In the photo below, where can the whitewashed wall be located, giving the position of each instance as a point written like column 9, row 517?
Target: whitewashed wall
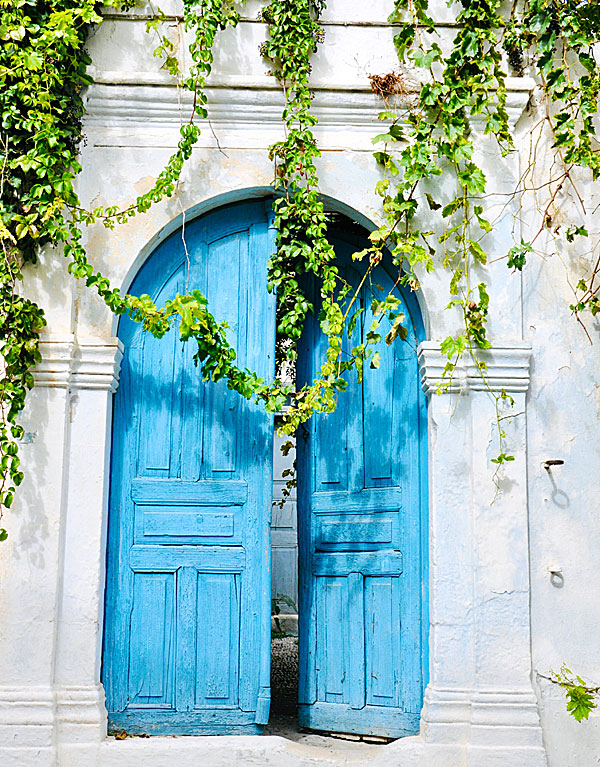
column 284, row 533
column 499, row 623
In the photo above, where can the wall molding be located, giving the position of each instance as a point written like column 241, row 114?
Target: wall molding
column 490, row 720
column 96, row 364
column 27, row 717
column 54, row 369
column 72, row 363
column 152, row 99
column 507, row 367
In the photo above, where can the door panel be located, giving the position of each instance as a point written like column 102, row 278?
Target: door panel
column 382, row 605
column 187, row 636
column 217, row 659
column 361, row 541
column 152, row 645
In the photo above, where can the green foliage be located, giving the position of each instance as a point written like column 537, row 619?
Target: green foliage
column 462, row 97
column 517, row 255
column 301, row 222
column 43, row 71
column 581, row 698
column 300, row 218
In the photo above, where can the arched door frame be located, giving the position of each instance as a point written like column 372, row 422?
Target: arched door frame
column 480, row 672
column 418, row 510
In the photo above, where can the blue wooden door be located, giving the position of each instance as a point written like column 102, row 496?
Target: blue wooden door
column 187, row 634
column 361, row 537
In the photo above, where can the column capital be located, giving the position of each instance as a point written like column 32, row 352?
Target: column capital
column 69, row 362
column 96, row 364
column 506, row 367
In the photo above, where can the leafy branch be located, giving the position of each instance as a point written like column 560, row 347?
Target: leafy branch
column 581, row 697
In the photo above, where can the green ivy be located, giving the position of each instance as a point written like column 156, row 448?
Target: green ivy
column 581, row 697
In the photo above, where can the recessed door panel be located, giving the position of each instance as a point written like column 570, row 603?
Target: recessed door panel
column 218, row 640
column 152, row 640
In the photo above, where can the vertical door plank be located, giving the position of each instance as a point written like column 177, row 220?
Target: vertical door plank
column 152, row 640
column 223, row 405
column 383, row 636
column 187, row 637
column 378, row 416
column 335, row 644
column 158, row 383
column 218, row 643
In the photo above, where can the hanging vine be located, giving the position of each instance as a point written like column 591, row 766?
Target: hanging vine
column 43, row 69
column 461, row 97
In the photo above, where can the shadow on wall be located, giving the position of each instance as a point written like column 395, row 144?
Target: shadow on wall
column 34, row 494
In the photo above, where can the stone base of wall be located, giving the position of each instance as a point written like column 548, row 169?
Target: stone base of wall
column 66, row 727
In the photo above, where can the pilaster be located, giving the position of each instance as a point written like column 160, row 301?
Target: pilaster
column 483, row 700
column 31, row 559
column 94, row 371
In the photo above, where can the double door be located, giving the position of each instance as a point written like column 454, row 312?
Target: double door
column 187, row 620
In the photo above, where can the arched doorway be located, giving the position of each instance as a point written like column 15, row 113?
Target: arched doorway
column 188, row 586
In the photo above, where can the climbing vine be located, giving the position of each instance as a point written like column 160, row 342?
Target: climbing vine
column 43, row 69
column 430, row 130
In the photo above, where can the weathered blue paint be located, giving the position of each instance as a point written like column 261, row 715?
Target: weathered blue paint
column 187, row 631
column 362, row 538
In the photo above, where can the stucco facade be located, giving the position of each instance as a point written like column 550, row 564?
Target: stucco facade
column 499, row 622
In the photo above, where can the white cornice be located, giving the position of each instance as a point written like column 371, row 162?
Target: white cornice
column 67, row 362
column 507, row 367
column 120, row 99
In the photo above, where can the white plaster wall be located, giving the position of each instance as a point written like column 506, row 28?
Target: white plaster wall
column 563, row 423
column 480, row 568
column 284, row 532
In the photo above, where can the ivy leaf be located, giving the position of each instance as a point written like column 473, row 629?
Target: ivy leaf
column 473, row 179
column 396, row 330
column 397, row 133
column 431, row 202
column 502, row 458
column 385, row 159
column 387, row 115
column 425, row 59
column 517, row 255
column 580, row 702
column 576, row 231
column 375, row 361
column 452, row 207
column 33, row 60
column 453, row 347
column 483, row 223
column 477, row 252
